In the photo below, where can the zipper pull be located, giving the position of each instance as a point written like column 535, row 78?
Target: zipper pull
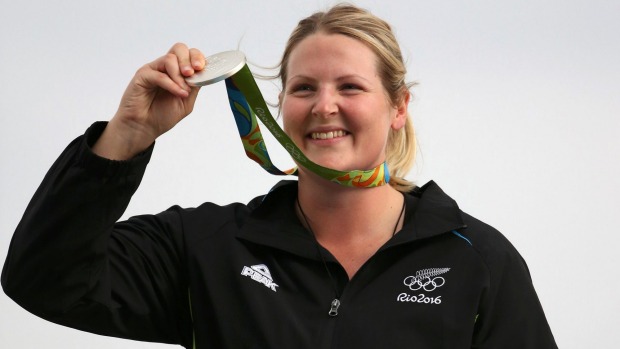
column 333, row 310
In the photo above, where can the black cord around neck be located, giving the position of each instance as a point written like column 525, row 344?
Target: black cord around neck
column 335, row 304
column 333, row 311
column 400, row 215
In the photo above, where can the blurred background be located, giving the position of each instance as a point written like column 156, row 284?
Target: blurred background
column 516, row 111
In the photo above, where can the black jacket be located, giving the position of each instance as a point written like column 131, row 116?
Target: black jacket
column 250, row 276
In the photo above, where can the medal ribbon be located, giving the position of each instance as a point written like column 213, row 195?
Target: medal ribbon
column 247, row 102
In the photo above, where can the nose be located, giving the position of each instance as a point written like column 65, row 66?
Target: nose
column 325, row 104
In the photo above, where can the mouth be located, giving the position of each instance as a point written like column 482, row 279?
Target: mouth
column 328, row 135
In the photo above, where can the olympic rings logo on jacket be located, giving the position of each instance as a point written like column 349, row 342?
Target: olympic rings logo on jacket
column 426, row 279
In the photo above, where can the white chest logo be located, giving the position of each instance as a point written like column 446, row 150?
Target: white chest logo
column 426, row 279
column 260, row 273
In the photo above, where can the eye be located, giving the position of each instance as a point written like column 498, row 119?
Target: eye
column 301, row 89
column 351, row 88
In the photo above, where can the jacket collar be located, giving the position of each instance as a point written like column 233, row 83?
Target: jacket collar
column 274, row 223
column 430, row 212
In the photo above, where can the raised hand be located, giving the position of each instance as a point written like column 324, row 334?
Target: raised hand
column 156, row 99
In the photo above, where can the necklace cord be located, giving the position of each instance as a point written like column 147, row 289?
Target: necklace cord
column 318, row 249
column 318, row 246
column 400, row 215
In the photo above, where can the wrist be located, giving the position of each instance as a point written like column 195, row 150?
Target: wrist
column 120, row 141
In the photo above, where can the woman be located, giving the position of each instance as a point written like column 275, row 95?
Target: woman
column 312, row 264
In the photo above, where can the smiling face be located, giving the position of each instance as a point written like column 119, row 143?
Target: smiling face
column 334, row 105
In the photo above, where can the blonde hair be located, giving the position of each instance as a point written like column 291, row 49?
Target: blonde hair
column 357, row 23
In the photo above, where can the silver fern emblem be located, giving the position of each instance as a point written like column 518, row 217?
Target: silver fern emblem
column 431, row 272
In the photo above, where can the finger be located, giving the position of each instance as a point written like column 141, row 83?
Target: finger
column 149, row 78
column 181, row 51
column 191, row 99
column 197, row 59
column 193, row 93
column 169, row 64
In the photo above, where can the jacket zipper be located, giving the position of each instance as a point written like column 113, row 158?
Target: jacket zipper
column 333, row 311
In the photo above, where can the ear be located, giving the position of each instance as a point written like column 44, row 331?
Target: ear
column 400, row 118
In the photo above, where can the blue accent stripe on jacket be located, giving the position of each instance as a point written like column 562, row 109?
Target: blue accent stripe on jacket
column 462, row 237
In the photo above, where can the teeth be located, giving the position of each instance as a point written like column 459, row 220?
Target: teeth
column 328, row 135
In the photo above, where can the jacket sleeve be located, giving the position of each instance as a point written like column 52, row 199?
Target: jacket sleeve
column 510, row 313
column 70, row 263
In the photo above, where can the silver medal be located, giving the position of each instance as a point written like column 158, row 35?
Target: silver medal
column 219, row 67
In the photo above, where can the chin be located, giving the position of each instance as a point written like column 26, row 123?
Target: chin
column 332, row 164
column 337, row 163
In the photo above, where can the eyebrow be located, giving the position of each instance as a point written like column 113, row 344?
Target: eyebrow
column 340, row 78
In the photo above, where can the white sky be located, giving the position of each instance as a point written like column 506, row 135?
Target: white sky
column 517, row 114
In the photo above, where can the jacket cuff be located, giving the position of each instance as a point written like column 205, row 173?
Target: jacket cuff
column 106, row 167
